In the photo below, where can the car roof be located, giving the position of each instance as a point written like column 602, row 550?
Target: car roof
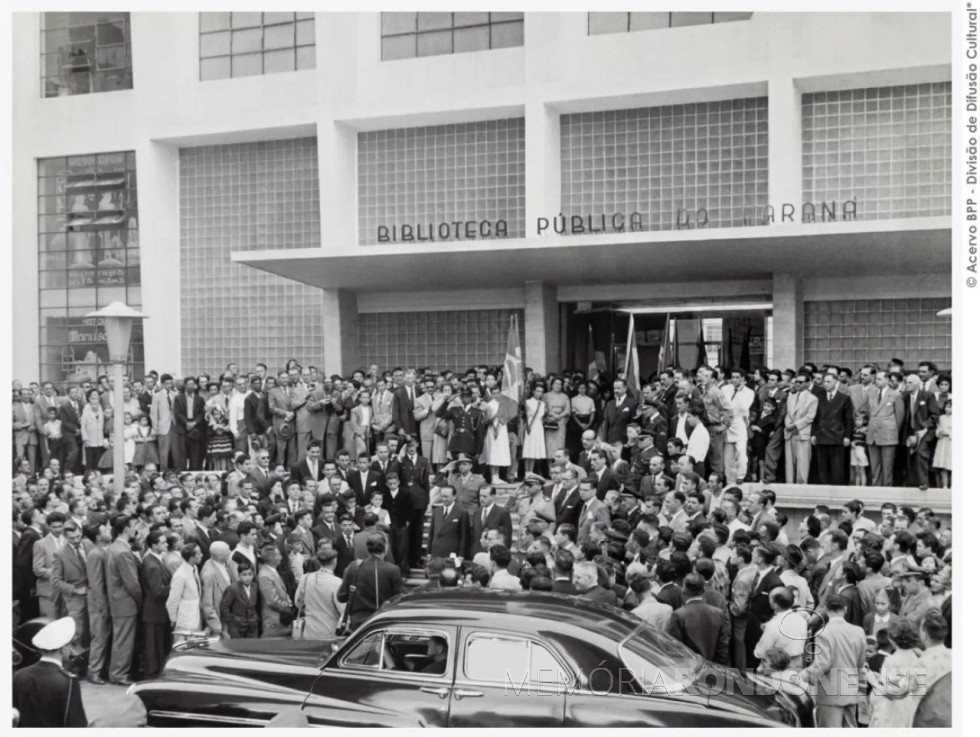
column 479, row 606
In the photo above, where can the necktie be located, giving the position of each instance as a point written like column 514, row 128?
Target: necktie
column 197, row 583
column 486, row 513
column 881, row 394
column 411, row 395
column 81, row 553
column 350, row 542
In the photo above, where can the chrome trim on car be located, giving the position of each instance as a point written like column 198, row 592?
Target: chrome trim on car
column 216, row 718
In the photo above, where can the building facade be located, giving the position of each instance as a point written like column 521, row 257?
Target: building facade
column 357, row 188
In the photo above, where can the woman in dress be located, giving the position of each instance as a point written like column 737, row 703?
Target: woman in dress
column 93, row 430
column 130, row 433
column 534, row 444
column 581, row 419
column 496, row 445
column 220, row 440
column 557, row 410
column 892, row 704
column 146, row 445
column 443, row 429
column 942, row 459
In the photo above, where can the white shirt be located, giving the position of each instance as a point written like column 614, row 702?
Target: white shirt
column 699, row 443
column 236, row 410
column 502, row 579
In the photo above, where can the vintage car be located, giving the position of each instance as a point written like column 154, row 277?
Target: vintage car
column 467, row 658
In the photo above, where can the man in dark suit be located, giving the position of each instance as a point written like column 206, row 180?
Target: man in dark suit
column 398, row 502
column 585, row 576
column 261, row 474
column 311, row 467
column 190, row 428
column 344, row 544
column 374, row 580
column 449, row 527
column 403, row 408
column 415, row 480
column 256, row 423
column 155, row 581
column 125, row 595
column 70, row 413
column 326, row 526
column 921, row 418
column 384, row 463
column 605, row 479
column 490, row 516
column 202, row 529
column 99, row 620
column 617, row 414
column 759, row 607
column 698, row 625
column 831, row 433
column 564, row 568
column 364, row 482
column 567, row 501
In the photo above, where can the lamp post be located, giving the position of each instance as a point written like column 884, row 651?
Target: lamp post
column 118, row 319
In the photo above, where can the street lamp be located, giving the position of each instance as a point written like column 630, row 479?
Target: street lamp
column 118, row 319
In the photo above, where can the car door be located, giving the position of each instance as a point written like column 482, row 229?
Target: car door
column 507, row 680
column 387, row 678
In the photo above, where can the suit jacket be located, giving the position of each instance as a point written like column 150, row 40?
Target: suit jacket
column 615, row 419
column 498, row 518
column 840, row 653
column 71, row 420
column 923, row 416
column 155, row 581
column 312, row 416
column 274, row 601
column 184, row 599
column 468, row 428
column 180, row 414
column 203, row 540
column 400, row 508
column 563, row 586
column 41, row 405
column 43, row 565
column 301, row 471
column 47, row 696
column 590, row 515
column 393, row 465
column 321, row 530
column 213, row 586
column 449, row 534
column 468, row 491
column 262, row 482
column 672, row 595
column 607, row 481
column 801, row 410
column 70, row 571
column 834, row 420
column 403, row 411
column 601, row 595
column 240, row 611
column 161, row 412
column 122, row 579
column 861, row 396
column 375, row 482
column 424, row 415
column 885, row 417
column 701, row 627
column 568, row 507
column 759, row 609
column 346, row 554
column 255, row 420
column 279, row 405
column 27, row 417
column 98, row 595
column 415, row 478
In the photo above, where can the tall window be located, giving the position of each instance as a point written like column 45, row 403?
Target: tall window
column 409, row 35
column 85, row 52
column 600, row 23
column 246, row 44
column 88, row 257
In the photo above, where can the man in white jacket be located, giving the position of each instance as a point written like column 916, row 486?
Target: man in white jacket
column 737, row 436
column 184, row 601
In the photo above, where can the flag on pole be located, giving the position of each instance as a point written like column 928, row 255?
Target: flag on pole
column 667, row 353
column 512, row 383
column 632, row 372
column 702, row 348
column 596, row 359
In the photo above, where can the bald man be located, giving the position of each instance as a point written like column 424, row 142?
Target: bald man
column 216, row 576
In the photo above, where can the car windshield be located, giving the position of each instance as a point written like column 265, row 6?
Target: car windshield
column 659, row 663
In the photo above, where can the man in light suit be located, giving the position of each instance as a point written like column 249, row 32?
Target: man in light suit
column 161, row 418
column 25, row 428
column 69, row 577
column 281, row 411
column 184, row 599
column 44, row 552
column 155, row 579
column 490, row 516
column 99, row 534
column 862, row 391
column 921, row 418
column 449, row 528
column 70, row 415
column 593, row 511
column 831, row 433
column 425, row 415
column 298, row 393
column 125, row 594
column 273, row 596
column 216, row 576
column 47, row 399
column 886, row 416
column 801, row 408
column 839, row 655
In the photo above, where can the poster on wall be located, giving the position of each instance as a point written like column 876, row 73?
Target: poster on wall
column 84, row 353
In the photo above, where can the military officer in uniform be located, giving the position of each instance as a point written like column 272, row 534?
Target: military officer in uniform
column 45, row 695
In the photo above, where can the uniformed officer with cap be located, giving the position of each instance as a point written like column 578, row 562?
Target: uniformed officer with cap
column 44, row 693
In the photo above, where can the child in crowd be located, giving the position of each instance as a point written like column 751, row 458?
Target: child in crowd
column 146, row 445
column 239, row 605
column 130, row 433
column 859, row 450
column 52, row 430
column 942, row 459
column 762, row 432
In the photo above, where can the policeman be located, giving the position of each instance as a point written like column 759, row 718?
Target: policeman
column 44, row 693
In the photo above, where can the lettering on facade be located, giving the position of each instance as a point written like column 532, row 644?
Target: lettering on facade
column 616, row 222
column 455, row 231
column 809, row 212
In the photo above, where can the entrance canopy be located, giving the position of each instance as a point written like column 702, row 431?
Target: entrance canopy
column 854, row 248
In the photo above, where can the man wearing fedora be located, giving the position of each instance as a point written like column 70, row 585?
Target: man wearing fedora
column 466, row 483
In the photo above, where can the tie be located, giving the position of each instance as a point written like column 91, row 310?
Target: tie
column 411, row 395
column 881, row 394
column 81, row 553
column 197, row 583
column 486, row 513
column 350, row 542
column 170, row 401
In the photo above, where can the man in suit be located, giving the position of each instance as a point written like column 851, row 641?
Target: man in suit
column 585, row 576
column 261, row 474
column 567, row 501
column 426, row 417
column 801, row 409
column 698, row 625
column 921, row 418
column 374, row 581
column 449, row 528
column 564, row 570
column 70, row 413
column 282, row 413
column 759, row 609
column 344, row 544
column 125, row 595
column 69, row 577
column 190, row 428
column 617, row 414
column 43, row 555
column 490, row 516
column 216, row 576
column 835, row 555
column 161, row 417
column 466, row 483
column 257, row 426
column 307, row 414
column 588, row 443
column 403, row 408
column 831, row 432
column 99, row 534
column 202, row 529
column 25, row 428
column 298, row 393
column 886, row 416
column 275, row 604
column 839, row 655
column 401, row 509
column 415, row 480
column 155, row 581
column 593, row 511
column 383, row 463
column 46, row 400
column 364, row 482
column 604, row 478
column 311, row 467
column 326, row 526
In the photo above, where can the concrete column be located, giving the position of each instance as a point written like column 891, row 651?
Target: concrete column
column 541, row 327
column 787, row 321
column 341, row 351
column 785, row 148
column 337, row 161
column 542, row 167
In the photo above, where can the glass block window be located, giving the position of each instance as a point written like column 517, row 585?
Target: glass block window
column 443, row 340
column 600, row 23
column 666, row 163
column 410, row 35
column 243, row 197
column 442, row 174
column 888, row 148
column 88, row 256
column 85, row 52
column 855, row 332
column 245, row 44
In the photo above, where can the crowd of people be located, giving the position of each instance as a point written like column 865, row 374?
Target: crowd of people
column 316, row 487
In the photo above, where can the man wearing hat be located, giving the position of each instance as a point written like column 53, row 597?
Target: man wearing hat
column 44, row 693
column 466, row 483
column 532, row 504
column 914, row 588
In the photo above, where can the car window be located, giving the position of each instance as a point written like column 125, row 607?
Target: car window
column 416, row 651
column 367, row 653
column 511, row 661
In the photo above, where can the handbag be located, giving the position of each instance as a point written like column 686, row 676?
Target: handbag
column 299, row 626
column 441, row 429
